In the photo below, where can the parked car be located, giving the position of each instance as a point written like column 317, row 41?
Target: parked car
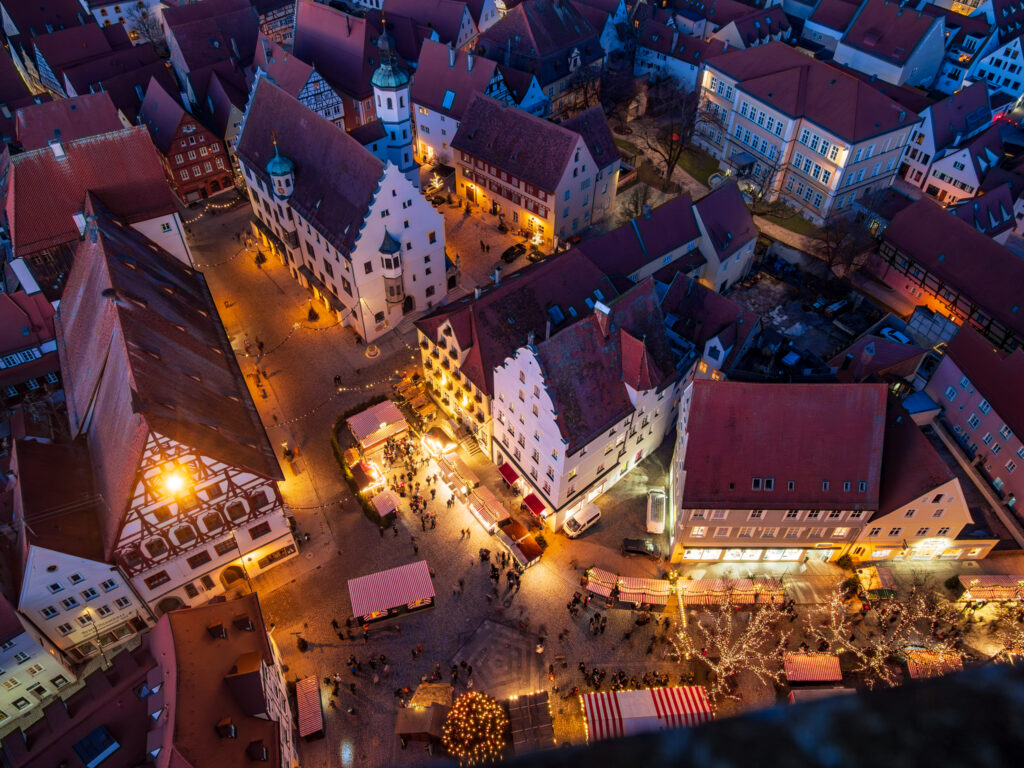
column 641, row 547
column 893, row 335
column 513, row 252
column 582, row 520
column 656, row 510
column 536, row 255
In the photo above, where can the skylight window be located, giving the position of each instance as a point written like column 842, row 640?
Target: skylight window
column 449, row 99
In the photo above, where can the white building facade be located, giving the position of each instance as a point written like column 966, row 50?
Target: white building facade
column 32, row 670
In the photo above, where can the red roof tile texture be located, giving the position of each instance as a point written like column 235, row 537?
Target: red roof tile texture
column 286, row 71
column 800, row 86
column 984, row 271
column 874, row 358
column 211, row 31
column 592, row 125
column 996, row 375
column 142, row 350
column 834, row 14
column 121, row 168
column 726, row 220
column 67, row 119
column 807, row 434
column 435, row 75
column 911, row 467
column 888, row 30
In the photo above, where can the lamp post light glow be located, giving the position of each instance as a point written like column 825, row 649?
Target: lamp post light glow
column 174, row 482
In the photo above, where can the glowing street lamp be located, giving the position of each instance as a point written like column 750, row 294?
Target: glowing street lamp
column 174, row 482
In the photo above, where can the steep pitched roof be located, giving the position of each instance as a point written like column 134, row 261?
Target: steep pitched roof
column 911, row 467
column 915, row 100
column 337, row 44
column 161, row 113
column 284, row 70
column 74, row 45
column 986, row 272
column 121, row 168
column 960, row 114
column 443, row 15
column 761, row 24
column 142, row 350
column 834, row 14
column 717, row 12
column 212, row 31
column 67, row 119
column 1009, row 19
column 14, row 94
column 889, row 31
column 800, row 86
column 991, row 213
column 26, row 319
column 435, row 76
column 875, row 358
column 726, row 219
column 534, row 150
column 500, row 321
column 123, row 75
column 222, row 97
column 806, row 434
column 592, row 125
column 10, row 624
column 996, row 375
column 589, row 365
column 32, row 19
column 335, row 177
column 985, row 150
column 690, row 49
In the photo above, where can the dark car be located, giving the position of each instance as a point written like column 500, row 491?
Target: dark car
column 641, row 547
column 536, row 255
column 513, row 252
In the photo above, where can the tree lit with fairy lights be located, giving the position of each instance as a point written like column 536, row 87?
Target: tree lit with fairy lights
column 475, row 730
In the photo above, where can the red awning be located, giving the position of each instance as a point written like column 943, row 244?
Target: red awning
column 381, row 591
column 507, row 473
column 311, row 715
column 534, row 504
column 812, row 667
column 612, row 714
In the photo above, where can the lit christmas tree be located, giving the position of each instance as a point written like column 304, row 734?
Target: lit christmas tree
column 475, row 730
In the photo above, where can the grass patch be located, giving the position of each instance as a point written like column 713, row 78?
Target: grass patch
column 798, row 224
column 698, row 163
column 627, row 146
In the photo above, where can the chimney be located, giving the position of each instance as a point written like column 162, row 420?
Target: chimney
column 234, row 49
column 56, row 146
column 478, row 292
column 868, row 353
column 497, row 277
column 469, row 61
column 601, row 312
column 531, row 337
column 226, row 729
column 451, row 55
column 547, row 330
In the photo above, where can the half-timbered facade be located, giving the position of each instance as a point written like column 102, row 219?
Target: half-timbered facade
column 180, row 458
column 301, row 80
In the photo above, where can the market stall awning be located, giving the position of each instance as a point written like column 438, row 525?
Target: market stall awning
column 508, row 474
column 599, row 589
column 613, row 714
column 311, row 714
column 992, row 587
column 923, row 663
column 377, row 423
column 383, row 590
column 877, row 581
column 535, row 505
column 651, row 591
column 704, row 591
column 812, row 667
column 414, row 721
column 385, row 503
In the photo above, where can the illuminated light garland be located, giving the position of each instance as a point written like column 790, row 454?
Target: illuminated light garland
column 476, row 729
column 213, row 206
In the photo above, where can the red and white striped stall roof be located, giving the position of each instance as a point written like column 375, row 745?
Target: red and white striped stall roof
column 390, row 589
column 377, row 423
column 812, row 667
column 650, row 591
column 612, row 714
column 311, row 714
column 385, row 503
column 704, row 591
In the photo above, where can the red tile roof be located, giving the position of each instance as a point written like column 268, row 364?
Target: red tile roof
column 225, row 97
column 875, row 358
column 996, row 375
column 67, row 47
column 592, row 125
column 200, row 674
column 445, row 16
column 119, row 73
column 142, row 350
column 434, row 76
column 162, row 114
column 960, row 114
column 285, row 71
column 589, row 365
column 25, row 320
column 761, row 24
column 31, row 19
column 67, row 119
column 992, row 212
column 121, row 168
column 210, row 31
column 911, row 467
column 691, row 49
column 834, row 14
column 887, row 30
column 501, row 320
column 800, row 86
column 801, row 433
column 530, row 148
column 335, row 177
column 726, row 219
column 1009, row 18
column 984, row 271
column 915, row 100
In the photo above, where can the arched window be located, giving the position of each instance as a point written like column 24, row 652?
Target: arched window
column 389, row 102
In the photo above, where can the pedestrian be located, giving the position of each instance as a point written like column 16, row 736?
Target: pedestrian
column 433, row 493
column 334, row 623
column 462, row 584
column 415, row 549
column 423, row 523
column 394, row 530
column 381, row 531
column 433, row 522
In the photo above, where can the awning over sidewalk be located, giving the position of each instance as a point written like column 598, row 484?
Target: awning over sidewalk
column 381, row 591
column 812, row 667
column 760, row 591
column 508, row 474
column 704, row 591
column 268, row 233
column 487, row 508
column 311, row 714
column 534, row 504
column 613, row 714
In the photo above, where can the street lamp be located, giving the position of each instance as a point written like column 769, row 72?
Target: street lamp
column 175, row 481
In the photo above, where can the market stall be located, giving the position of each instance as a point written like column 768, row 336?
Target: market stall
column 487, row 508
column 601, row 582
column 812, row 668
column 366, row 476
column 613, row 714
column 704, row 591
column 467, row 479
column 421, row 723
column 519, row 542
column 756, row 591
column 994, row 587
column 644, row 592
column 877, row 581
column 923, row 663
column 310, row 708
column 384, row 594
column 376, row 425
column 386, row 503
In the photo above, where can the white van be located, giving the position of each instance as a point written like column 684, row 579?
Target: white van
column 582, row 520
column 655, row 510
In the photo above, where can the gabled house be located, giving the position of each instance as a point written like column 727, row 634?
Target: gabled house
column 540, row 176
column 728, row 236
column 524, row 91
column 997, row 211
column 967, row 38
column 28, row 347
column 485, row 12
column 663, row 52
column 277, row 20
column 1000, row 67
column 46, row 199
column 452, row 19
column 14, row 94
column 194, row 159
column 827, row 22
column 23, row 22
column 66, row 120
column 610, row 18
column 188, row 479
column 299, row 79
column 960, row 172
column 350, row 227
column 62, row 50
column 874, row 358
column 893, row 41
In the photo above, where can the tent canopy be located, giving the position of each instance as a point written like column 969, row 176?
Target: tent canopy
column 383, row 590
column 385, row 503
column 377, row 423
column 812, row 667
column 311, row 714
column 612, row 714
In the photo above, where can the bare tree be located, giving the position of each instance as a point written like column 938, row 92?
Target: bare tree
column 636, row 201
column 148, row 26
column 1007, row 629
column 585, row 87
column 668, row 145
column 726, row 642
column 619, row 90
column 844, row 244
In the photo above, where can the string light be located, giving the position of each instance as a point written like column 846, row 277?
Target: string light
column 476, row 729
column 215, row 207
